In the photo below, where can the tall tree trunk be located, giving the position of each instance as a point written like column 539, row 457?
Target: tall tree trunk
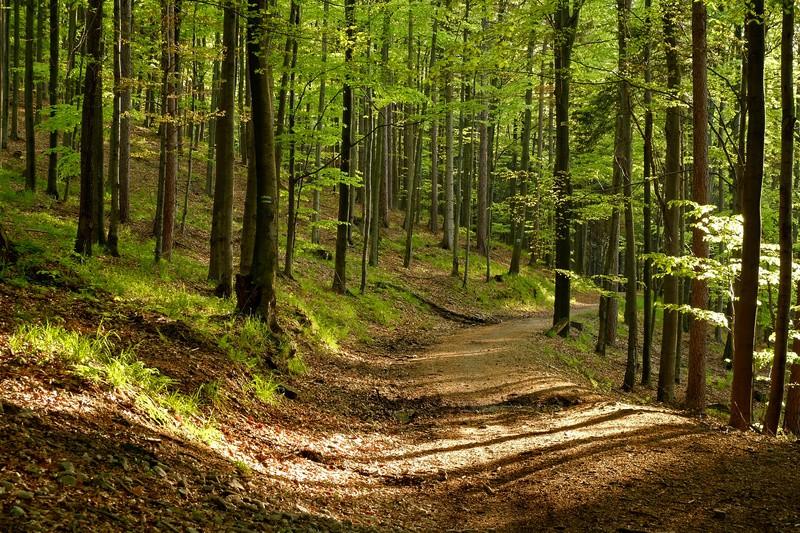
column 519, row 204
column 291, row 222
column 52, row 162
column 30, row 112
column 113, row 144
column 91, row 128
column 340, row 260
column 171, row 129
column 15, row 76
column 623, row 162
column 4, row 73
column 647, row 341
column 788, row 121
column 315, row 194
column 746, row 306
column 482, row 222
column 433, row 91
column 256, row 290
column 221, row 266
column 566, row 24
column 698, row 334
column 126, row 73
column 672, row 181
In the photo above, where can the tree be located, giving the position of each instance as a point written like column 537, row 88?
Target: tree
column 647, row 333
column 340, row 258
column 52, row 84
column 623, row 161
column 220, row 268
column 91, row 128
column 565, row 22
column 788, row 122
column 30, row 112
column 125, row 70
column 746, row 306
column 698, row 332
column 672, row 183
column 255, row 291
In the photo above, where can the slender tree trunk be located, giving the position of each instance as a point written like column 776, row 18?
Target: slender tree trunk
column 15, row 76
column 315, row 194
column 52, row 163
column 221, row 267
column 698, row 334
column 623, row 162
column 113, row 144
column 91, row 128
column 30, row 111
column 171, row 130
column 519, row 209
column 4, row 73
column 212, row 124
column 433, row 91
column 672, row 180
column 291, row 222
column 746, row 306
column 340, row 260
column 126, row 18
column 647, row 341
column 788, row 121
column 449, row 193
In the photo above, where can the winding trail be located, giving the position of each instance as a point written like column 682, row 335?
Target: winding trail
column 494, row 438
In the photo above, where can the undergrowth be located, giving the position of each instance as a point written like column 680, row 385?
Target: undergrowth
column 97, row 359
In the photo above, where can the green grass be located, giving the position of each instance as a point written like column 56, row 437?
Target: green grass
column 97, row 359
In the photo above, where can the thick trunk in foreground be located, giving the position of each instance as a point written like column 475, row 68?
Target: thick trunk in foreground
column 566, row 25
column 255, row 291
column 747, row 304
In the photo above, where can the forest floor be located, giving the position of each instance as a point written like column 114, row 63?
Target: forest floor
column 485, row 429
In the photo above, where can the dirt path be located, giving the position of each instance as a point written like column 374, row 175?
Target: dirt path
column 493, row 439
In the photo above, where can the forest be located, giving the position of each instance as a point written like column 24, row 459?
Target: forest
column 421, row 265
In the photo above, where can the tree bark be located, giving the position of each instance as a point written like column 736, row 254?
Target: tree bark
column 788, row 121
column 746, row 306
column 125, row 66
column 221, row 267
column 30, row 111
column 340, row 260
column 672, row 180
column 52, row 162
column 698, row 333
column 647, row 341
column 566, row 24
column 113, row 144
column 91, row 127
column 256, row 290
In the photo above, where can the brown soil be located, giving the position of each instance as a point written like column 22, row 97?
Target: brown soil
column 481, row 431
